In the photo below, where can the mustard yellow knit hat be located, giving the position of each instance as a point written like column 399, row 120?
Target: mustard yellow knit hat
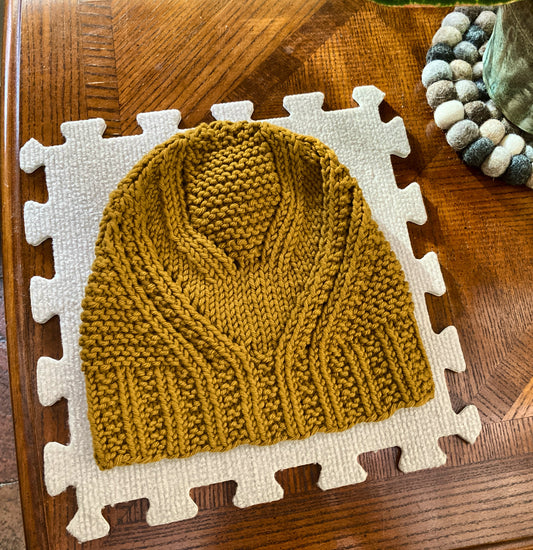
column 241, row 293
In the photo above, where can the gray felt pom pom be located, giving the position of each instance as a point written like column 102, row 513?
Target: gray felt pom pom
column 494, row 111
column 447, row 35
column 466, row 90
column 440, row 51
column 470, row 11
column 511, row 128
column 482, row 90
column 467, row 51
column 477, row 152
column 486, row 20
column 461, row 70
column 462, row 133
column 477, row 112
column 458, row 20
column 435, row 71
column 475, row 35
column 519, row 170
column 439, row 92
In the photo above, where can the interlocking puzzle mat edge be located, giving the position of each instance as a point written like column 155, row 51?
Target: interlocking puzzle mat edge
column 80, row 175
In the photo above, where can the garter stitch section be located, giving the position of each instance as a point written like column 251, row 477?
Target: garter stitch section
column 242, row 294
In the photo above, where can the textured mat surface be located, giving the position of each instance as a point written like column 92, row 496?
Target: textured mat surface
column 81, row 173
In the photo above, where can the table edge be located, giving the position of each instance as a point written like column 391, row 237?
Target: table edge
column 12, row 273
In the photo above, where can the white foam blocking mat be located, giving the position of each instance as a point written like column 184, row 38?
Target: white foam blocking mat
column 81, row 173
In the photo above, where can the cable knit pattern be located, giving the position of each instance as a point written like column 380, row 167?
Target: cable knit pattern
column 241, row 293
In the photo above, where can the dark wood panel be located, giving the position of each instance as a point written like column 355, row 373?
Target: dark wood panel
column 431, row 509
column 98, row 63
column 187, row 55
column 115, row 58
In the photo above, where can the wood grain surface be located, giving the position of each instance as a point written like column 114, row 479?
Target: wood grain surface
column 69, row 60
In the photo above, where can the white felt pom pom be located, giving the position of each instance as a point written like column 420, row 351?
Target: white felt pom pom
column 513, row 143
column 458, row 20
column 497, row 162
column 448, row 113
column 435, row 71
column 493, row 129
column 447, row 35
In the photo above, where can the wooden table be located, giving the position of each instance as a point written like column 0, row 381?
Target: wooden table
column 70, row 60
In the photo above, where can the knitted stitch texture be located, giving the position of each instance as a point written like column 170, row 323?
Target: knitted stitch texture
column 242, row 294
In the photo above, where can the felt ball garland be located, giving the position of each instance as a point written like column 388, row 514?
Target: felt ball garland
column 455, row 90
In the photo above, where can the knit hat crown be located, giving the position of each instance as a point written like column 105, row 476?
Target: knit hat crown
column 241, row 293
column 231, row 199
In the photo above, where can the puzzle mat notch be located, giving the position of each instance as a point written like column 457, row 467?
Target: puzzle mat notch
column 80, row 175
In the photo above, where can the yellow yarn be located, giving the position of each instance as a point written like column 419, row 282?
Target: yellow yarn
column 241, row 293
